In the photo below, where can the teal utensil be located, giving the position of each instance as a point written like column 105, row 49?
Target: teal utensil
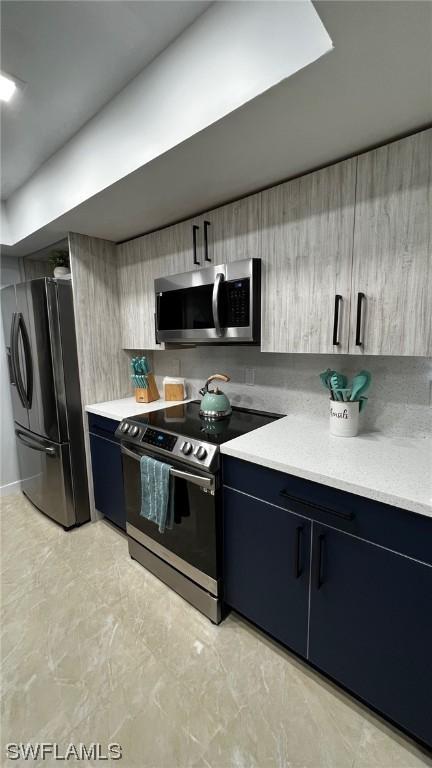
column 363, row 400
column 345, row 393
column 360, row 383
column 325, row 379
column 338, row 381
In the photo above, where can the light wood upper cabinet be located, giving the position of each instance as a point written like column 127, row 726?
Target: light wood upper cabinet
column 136, row 262
column 166, row 252
column 307, row 242
column 392, row 263
column 174, row 249
column 361, row 227
column 232, row 232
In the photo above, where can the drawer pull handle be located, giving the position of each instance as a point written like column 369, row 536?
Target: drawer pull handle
column 320, row 564
column 317, row 507
column 297, row 553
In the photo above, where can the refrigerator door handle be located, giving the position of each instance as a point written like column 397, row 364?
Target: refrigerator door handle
column 16, row 371
column 28, row 360
column 24, row 438
column 9, row 352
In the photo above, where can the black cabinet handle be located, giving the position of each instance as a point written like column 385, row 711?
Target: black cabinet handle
column 338, row 299
column 320, row 564
column 206, row 251
column 195, row 229
column 316, row 507
column 297, row 552
column 360, row 297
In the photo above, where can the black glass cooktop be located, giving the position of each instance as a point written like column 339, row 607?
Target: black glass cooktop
column 184, row 420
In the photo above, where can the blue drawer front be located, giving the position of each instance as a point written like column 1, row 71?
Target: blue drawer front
column 108, row 479
column 391, row 527
column 99, row 425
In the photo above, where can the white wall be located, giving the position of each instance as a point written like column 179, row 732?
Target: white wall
column 9, row 472
column 4, row 227
column 232, row 53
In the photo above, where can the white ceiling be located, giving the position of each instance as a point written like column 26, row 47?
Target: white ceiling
column 75, row 56
column 374, row 86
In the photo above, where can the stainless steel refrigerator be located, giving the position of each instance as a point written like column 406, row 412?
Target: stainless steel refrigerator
column 39, row 328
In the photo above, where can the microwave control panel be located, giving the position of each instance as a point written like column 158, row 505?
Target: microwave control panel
column 236, row 303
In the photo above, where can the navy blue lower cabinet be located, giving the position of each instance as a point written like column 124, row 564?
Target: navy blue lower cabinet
column 107, row 470
column 371, row 626
column 266, row 567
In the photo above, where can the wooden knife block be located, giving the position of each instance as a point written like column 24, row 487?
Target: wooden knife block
column 150, row 394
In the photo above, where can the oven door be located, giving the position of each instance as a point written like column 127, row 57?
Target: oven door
column 218, row 304
column 192, row 544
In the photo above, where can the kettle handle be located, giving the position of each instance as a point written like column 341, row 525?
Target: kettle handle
column 219, row 377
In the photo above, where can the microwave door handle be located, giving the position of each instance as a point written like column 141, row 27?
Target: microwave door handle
column 203, row 482
column 215, row 303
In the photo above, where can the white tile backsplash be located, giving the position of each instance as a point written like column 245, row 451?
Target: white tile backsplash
column 399, row 397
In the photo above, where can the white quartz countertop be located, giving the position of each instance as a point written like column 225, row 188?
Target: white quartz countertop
column 394, row 470
column 128, row 407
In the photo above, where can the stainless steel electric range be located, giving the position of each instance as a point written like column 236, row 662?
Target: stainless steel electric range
column 187, row 557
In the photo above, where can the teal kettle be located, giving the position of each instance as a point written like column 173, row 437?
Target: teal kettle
column 214, row 404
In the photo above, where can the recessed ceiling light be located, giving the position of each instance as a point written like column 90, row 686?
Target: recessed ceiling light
column 7, row 88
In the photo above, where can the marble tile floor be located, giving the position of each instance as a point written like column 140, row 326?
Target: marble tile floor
column 95, row 649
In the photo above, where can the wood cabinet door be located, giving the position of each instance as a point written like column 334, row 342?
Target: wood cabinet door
column 307, row 239
column 136, row 262
column 371, row 625
column 392, row 264
column 232, row 232
column 266, row 566
column 174, row 252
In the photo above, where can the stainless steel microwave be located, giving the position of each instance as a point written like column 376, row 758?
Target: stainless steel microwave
column 215, row 305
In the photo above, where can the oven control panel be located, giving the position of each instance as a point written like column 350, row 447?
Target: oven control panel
column 193, row 452
column 159, row 439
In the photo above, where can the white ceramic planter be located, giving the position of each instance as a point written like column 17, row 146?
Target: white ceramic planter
column 344, row 418
column 61, row 271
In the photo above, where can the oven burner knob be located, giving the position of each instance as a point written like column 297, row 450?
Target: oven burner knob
column 133, row 431
column 200, row 453
column 186, row 448
column 124, row 427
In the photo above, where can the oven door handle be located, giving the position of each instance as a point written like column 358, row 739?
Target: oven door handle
column 203, row 482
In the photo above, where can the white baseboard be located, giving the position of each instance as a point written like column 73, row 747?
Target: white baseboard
column 9, row 488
